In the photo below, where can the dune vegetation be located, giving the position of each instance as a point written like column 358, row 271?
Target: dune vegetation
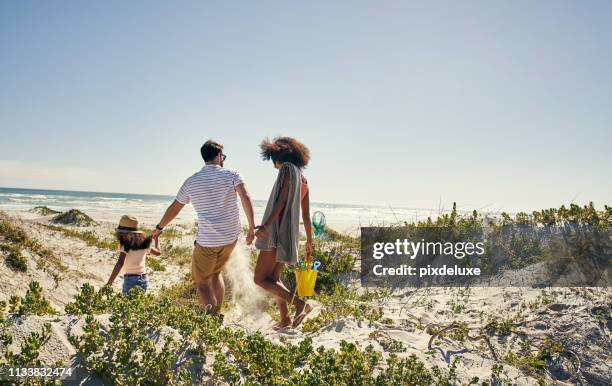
column 164, row 337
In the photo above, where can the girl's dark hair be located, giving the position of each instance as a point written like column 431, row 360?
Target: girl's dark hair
column 133, row 241
column 285, row 149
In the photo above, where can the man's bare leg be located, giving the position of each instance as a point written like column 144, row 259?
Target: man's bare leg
column 207, row 296
column 218, row 287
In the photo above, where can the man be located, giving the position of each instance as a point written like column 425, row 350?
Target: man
column 212, row 192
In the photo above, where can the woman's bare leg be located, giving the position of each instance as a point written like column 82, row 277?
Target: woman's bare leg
column 283, row 308
column 266, row 277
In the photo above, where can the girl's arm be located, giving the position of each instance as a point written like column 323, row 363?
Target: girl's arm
column 117, row 268
column 278, row 207
column 307, row 222
column 155, row 251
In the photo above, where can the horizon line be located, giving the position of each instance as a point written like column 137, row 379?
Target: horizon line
column 173, row 196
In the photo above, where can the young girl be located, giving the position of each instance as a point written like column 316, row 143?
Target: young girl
column 134, row 246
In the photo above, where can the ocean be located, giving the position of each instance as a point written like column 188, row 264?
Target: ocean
column 149, row 208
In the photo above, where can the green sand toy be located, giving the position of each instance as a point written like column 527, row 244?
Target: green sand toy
column 318, row 222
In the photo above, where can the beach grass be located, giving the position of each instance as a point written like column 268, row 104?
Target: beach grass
column 155, row 264
column 15, row 240
column 90, row 237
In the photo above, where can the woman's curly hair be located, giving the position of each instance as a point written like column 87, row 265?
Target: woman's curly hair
column 133, row 241
column 285, row 149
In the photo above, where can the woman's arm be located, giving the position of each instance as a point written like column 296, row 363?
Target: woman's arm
column 307, row 221
column 117, row 268
column 278, row 207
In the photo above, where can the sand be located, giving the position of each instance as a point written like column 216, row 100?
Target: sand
column 573, row 316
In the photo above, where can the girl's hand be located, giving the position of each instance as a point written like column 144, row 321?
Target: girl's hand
column 261, row 232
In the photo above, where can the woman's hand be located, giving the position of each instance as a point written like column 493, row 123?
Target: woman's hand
column 308, row 247
column 261, row 232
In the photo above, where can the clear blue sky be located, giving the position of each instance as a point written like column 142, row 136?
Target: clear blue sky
column 501, row 103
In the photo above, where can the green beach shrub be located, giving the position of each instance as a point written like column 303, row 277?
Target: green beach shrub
column 34, row 302
column 89, row 301
column 240, row 357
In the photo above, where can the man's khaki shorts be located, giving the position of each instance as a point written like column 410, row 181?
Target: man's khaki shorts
column 209, row 260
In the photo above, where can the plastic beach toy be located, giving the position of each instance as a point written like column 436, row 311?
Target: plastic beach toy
column 318, row 222
column 306, row 272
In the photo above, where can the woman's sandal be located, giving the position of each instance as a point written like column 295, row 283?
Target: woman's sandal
column 300, row 318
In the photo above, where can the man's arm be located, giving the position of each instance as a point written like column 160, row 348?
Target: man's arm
column 172, row 211
column 247, row 205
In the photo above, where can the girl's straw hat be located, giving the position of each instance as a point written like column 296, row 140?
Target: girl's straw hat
column 128, row 224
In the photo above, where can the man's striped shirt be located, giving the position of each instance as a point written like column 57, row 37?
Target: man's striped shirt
column 212, row 193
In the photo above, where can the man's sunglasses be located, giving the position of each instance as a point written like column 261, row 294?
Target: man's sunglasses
column 223, row 157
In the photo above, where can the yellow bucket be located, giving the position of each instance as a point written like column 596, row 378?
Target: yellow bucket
column 306, row 280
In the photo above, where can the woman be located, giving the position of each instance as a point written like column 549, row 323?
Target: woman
column 278, row 235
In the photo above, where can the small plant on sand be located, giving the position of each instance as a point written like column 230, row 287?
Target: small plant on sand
column 15, row 258
column 501, row 327
column 343, row 302
column 155, row 264
column 90, row 301
column 34, row 302
column 181, row 254
column 497, row 370
column 533, row 360
column 387, row 343
column 182, row 292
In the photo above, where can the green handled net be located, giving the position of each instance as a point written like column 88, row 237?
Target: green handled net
column 318, row 223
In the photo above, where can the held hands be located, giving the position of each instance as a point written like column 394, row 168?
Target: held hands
column 261, row 232
column 155, row 234
column 250, row 236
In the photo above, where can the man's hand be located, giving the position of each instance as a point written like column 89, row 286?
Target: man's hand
column 261, row 232
column 250, row 236
column 155, row 234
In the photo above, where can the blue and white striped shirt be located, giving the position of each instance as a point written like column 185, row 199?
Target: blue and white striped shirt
column 212, row 193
